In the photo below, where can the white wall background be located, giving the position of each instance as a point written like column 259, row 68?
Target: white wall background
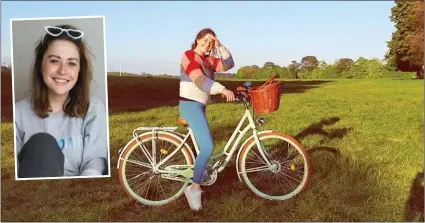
column 27, row 33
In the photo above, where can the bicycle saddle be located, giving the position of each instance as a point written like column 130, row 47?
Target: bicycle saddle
column 183, row 122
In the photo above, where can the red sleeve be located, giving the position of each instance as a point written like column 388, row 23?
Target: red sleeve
column 189, row 62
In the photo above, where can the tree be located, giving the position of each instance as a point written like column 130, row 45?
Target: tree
column 269, row 65
column 405, row 49
column 343, row 64
column 268, row 70
column 364, row 68
column 417, row 41
column 322, row 64
column 308, row 63
column 294, row 69
column 283, row 72
column 266, row 73
column 247, row 72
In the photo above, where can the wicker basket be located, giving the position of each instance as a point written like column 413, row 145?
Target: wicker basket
column 266, row 98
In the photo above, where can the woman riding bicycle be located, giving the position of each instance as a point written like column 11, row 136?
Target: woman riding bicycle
column 197, row 83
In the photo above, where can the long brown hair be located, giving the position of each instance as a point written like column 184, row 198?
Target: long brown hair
column 79, row 96
column 200, row 35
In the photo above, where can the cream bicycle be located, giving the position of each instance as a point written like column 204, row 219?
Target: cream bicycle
column 156, row 166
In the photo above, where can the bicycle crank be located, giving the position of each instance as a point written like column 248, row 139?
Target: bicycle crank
column 209, row 176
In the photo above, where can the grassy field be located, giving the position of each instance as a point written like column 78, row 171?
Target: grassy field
column 365, row 139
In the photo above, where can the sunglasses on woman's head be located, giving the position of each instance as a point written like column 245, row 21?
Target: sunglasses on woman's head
column 57, row 31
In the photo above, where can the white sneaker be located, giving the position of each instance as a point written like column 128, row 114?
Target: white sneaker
column 194, row 198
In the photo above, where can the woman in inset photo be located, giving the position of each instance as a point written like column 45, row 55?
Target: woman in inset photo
column 60, row 129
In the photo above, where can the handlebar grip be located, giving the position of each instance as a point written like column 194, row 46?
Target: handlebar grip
column 240, row 89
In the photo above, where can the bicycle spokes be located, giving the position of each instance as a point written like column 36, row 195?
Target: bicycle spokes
column 262, row 151
column 285, row 172
column 146, row 182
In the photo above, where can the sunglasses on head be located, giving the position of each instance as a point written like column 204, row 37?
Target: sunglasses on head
column 57, row 31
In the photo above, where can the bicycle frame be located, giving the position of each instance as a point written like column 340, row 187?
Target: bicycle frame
column 173, row 170
column 229, row 149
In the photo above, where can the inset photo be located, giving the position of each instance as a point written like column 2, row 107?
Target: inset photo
column 60, row 98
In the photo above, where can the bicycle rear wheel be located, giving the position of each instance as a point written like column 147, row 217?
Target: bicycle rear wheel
column 136, row 174
column 290, row 171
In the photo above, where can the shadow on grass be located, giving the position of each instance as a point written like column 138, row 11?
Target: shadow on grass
column 320, row 167
column 229, row 175
column 317, row 129
column 414, row 207
column 324, row 162
column 105, row 199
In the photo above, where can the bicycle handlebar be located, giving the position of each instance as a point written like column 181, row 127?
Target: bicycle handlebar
column 241, row 89
column 238, row 89
column 240, row 95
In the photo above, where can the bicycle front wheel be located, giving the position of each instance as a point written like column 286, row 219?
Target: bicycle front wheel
column 288, row 174
column 136, row 174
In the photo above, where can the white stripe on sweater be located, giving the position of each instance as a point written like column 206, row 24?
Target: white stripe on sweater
column 191, row 91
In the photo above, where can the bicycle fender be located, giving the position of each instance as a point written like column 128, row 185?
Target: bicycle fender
column 242, row 146
column 172, row 134
column 123, row 149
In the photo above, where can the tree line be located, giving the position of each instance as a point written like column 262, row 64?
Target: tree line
column 311, row 68
column 405, row 53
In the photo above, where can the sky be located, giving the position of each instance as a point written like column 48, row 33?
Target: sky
column 151, row 37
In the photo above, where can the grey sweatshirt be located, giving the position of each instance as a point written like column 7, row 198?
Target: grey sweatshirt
column 82, row 141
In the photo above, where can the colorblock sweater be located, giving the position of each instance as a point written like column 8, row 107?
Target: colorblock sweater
column 197, row 81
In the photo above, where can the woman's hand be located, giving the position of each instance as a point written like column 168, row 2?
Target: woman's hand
column 216, row 42
column 229, row 95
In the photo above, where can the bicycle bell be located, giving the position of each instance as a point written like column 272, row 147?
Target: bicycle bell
column 247, row 84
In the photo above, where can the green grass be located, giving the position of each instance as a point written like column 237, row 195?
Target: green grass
column 365, row 139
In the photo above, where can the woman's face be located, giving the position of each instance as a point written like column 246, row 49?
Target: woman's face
column 206, row 43
column 60, row 67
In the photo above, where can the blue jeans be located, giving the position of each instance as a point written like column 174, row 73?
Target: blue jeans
column 194, row 114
